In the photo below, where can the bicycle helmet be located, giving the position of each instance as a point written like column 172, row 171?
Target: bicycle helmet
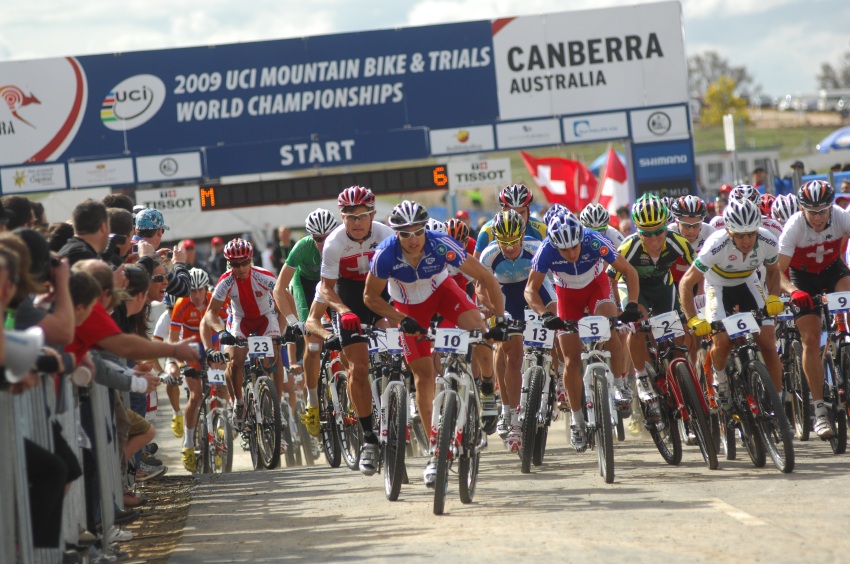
column 688, row 206
column 200, row 278
column 356, row 196
column 515, row 196
column 595, row 216
column 815, row 194
column 407, row 214
column 169, row 300
column 508, row 225
column 766, row 204
column 237, row 249
column 320, row 222
column 565, row 232
column 458, row 229
column 742, row 216
column 436, row 225
column 784, row 207
column 649, row 213
column 744, row 192
column 555, row 210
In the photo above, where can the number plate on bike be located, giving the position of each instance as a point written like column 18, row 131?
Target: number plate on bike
column 838, row 302
column 216, row 377
column 594, row 328
column 535, row 335
column 531, row 315
column 451, row 341
column 787, row 314
column 666, row 326
column 740, row 324
column 393, row 341
column 378, row 343
column 260, row 347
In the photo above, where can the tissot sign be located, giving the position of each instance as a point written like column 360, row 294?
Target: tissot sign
column 346, row 99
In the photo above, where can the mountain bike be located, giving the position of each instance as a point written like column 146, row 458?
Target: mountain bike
column 456, row 415
column 213, row 431
column 835, row 356
column 756, row 411
column 677, row 386
column 262, row 428
column 794, row 382
column 340, row 428
column 538, row 398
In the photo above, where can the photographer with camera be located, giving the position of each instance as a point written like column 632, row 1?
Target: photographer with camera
column 150, row 227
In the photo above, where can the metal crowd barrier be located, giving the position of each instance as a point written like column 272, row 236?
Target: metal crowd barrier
column 30, row 415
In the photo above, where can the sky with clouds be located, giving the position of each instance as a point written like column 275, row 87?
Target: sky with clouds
column 781, row 42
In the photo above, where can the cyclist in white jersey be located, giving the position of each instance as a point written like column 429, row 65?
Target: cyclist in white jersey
column 596, row 217
column 810, row 250
column 252, row 312
column 345, row 265
column 728, row 262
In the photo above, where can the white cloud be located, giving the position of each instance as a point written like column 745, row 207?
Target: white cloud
column 701, row 9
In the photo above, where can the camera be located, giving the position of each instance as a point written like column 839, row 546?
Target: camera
column 112, row 254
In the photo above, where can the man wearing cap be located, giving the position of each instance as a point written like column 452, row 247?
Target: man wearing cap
column 217, row 263
column 192, row 259
column 759, row 176
column 150, row 226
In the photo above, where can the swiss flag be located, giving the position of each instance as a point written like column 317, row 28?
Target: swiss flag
column 562, row 181
column 615, row 190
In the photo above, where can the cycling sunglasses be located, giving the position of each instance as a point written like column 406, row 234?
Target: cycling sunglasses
column 408, row 234
column 653, row 233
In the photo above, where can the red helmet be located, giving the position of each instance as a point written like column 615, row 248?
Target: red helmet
column 356, row 196
column 725, row 189
column 515, row 196
column 462, row 214
column 765, row 204
column 237, row 249
column 458, row 229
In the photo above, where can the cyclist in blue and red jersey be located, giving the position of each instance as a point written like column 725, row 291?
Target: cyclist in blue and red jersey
column 414, row 265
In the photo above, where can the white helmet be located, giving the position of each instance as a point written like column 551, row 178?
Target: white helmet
column 595, row 216
column 565, row 231
column 436, row 225
column 320, row 222
column 200, row 279
column 406, row 214
column 744, row 192
column 742, row 216
column 784, row 207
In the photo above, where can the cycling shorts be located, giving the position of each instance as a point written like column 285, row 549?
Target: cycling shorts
column 572, row 302
column 515, row 303
column 449, row 301
column 722, row 301
column 264, row 325
column 303, row 291
column 350, row 292
column 823, row 282
column 658, row 297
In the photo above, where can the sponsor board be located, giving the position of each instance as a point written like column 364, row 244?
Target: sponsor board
column 132, row 102
column 528, row 133
column 659, row 124
column 183, row 199
column 671, row 188
column 175, row 166
column 595, row 127
column 479, row 173
column 107, row 172
column 35, row 178
column 462, row 140
column 657, row 161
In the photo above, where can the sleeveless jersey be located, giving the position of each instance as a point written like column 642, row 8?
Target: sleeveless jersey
column 813, row 252
column 595, row 248
column 344, row 258
column 409, row 285
column 724, row 265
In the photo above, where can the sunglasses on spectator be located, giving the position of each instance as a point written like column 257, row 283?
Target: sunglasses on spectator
column 159, row 278
column 239, row 264
column 408, row 234
column 353, row 217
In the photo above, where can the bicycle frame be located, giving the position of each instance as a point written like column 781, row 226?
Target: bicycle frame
column 456, row 379
column 594, row 358
column 536, row 356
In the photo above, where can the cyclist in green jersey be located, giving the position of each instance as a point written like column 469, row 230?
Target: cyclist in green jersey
column 652, row 251
column 300, row 275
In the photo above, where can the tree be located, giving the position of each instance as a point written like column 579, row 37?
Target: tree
column 835, row 77
column 706, row 68
column 720, row 99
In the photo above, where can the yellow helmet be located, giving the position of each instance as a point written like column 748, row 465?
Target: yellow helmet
column 649, row 213
column 508, row 225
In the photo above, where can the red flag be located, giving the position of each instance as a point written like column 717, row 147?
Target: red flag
column 562, row 181
column 614, row 191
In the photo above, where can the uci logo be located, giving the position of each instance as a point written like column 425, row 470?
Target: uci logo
column 132, row 102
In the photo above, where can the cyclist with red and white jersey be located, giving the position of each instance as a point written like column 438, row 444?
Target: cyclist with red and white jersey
column 577, row 257
column 689, row 221
column 810, row 247
column 413, row 265
column 345, row 265
column 252, row 312
column 747, row 192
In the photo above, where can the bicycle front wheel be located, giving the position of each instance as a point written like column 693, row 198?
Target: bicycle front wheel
column 467, row 471
column 350, row 435
column 443, row 454
column 666, row 438
column 801, row 405
column 604, row 435
column 267, row 429
column 698, row 420
column 221, row 455
column 772, row 423
column 202, row 442
column 534, row 376
column 835, row 409
column 394, row 449
column 329, row 430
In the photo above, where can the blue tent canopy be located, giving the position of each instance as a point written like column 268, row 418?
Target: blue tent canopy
column 838, row 139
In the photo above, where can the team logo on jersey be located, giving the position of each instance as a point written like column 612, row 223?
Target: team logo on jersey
column 441, row 249
column 430, row 260
column 450, row 255
column 733, row 257
column 603, row 251
column 258, row 294
column 594, row 245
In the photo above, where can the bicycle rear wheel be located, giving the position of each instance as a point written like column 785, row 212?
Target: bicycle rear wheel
column 834, row 408
column 801, row 405
column 221, row 455
column 289, row 451
column 698, row 422
column 604, row 435
column 467, row 471
column 750, row 434
column 202, row 441
column 772, row 423
column 267, row 431
column 667, row 440
column 534, row 376
column 394, row 449
column 443, row 454
column 351, row 435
